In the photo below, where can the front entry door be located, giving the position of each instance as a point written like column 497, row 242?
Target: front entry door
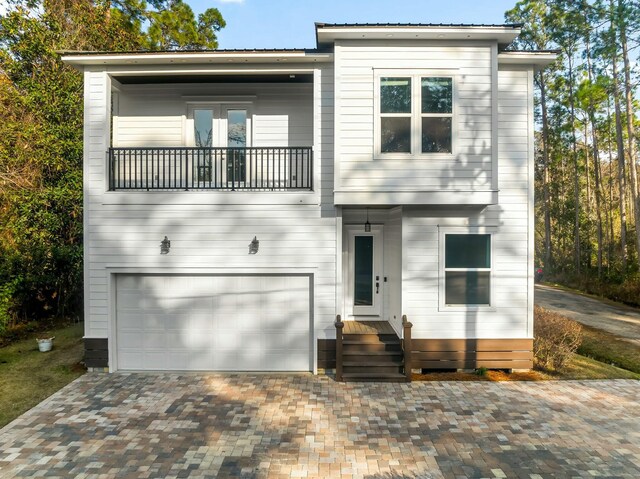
column 366, row 279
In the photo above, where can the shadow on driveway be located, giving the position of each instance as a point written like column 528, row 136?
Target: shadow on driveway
column 243, row 425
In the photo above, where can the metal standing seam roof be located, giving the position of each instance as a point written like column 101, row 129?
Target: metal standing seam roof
column 399, row 25
column 191, row 51
column 328, row 27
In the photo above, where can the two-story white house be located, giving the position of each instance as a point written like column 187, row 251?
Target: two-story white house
column 237, row 202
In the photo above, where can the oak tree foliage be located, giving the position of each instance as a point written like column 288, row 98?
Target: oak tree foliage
column 41, row 107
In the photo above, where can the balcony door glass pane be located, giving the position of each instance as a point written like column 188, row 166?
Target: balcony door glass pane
column 237, row 138
column 237, row 128
column 203, row 127
column 363, row 271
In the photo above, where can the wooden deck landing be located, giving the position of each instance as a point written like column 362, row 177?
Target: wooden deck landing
column 367, row 327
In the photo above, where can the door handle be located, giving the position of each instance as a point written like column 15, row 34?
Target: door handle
column 377, row 287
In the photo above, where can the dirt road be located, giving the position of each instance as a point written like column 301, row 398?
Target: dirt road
column 623, row 321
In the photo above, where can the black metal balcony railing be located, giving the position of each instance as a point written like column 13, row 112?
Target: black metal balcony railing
column 225, row 169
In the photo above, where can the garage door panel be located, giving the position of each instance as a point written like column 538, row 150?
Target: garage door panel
column 154, row 340
column 133, row 340
column 130, row 357
column 213, row 322
column 285, row 342
column 193, row 339
column 227, row 340
column 130, row 282
column 155, row 359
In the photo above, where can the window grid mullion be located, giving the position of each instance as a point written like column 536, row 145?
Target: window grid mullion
column 467, row 269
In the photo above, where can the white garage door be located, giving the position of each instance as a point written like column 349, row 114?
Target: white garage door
column 213, row 323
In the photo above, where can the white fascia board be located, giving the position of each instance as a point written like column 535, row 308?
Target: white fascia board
column 536, row 59
column 395, row 198
column 504, row 35
column 168, row 58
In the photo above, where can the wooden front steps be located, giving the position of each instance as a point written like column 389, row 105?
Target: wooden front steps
column 370, row 351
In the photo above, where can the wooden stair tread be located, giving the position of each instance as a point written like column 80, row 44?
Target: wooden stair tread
column 372, row 353
column 375, row 377
column 370, row 341
column 390, row 363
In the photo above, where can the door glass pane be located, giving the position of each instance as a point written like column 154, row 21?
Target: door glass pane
column 436, row 135
column 363, row 271
column 237, row 128
column 237, row 138
column 203, row 127
column 396, row 135
column 467, row 287
column 395, row 95
column 436, row 95
column 468, row 251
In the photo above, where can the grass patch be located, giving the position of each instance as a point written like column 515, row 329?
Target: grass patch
column 28, row 376
column 610, row 349
column 581, row 367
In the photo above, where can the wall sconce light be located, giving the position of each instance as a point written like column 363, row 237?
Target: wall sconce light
column 165, row 246
column 254, row 245
column 367, row 225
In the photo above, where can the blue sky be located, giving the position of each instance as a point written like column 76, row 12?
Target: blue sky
column 289, row 23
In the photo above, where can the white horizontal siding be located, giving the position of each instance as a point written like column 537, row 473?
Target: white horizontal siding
column 359, row 169
column 155, row 116
column 131, row 131
column 207, row 237
column 510, row 219
column 213, row 239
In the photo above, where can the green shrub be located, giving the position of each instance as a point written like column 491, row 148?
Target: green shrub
column 7, row 303
column 556, row 338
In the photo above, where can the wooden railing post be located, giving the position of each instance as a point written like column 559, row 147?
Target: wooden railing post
column 339, row 326
column 407, row 347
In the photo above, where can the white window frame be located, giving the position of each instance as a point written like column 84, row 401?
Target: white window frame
column 416, row 112
column 443, row 232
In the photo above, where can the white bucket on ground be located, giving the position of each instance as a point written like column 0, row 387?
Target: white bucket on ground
column 45, row 345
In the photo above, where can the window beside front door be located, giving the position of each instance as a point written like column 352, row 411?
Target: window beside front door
column 467, row 270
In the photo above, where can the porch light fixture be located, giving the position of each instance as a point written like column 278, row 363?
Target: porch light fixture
column 254, row 245
column 165, row 246
column 367, row 225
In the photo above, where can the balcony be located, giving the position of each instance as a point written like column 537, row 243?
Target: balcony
column 211, row 169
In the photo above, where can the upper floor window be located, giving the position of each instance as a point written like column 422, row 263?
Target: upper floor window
column 415, row 115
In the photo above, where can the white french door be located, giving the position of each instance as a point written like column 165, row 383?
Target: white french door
column 222, row 126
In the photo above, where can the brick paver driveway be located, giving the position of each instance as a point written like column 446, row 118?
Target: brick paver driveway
column 206, row 425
